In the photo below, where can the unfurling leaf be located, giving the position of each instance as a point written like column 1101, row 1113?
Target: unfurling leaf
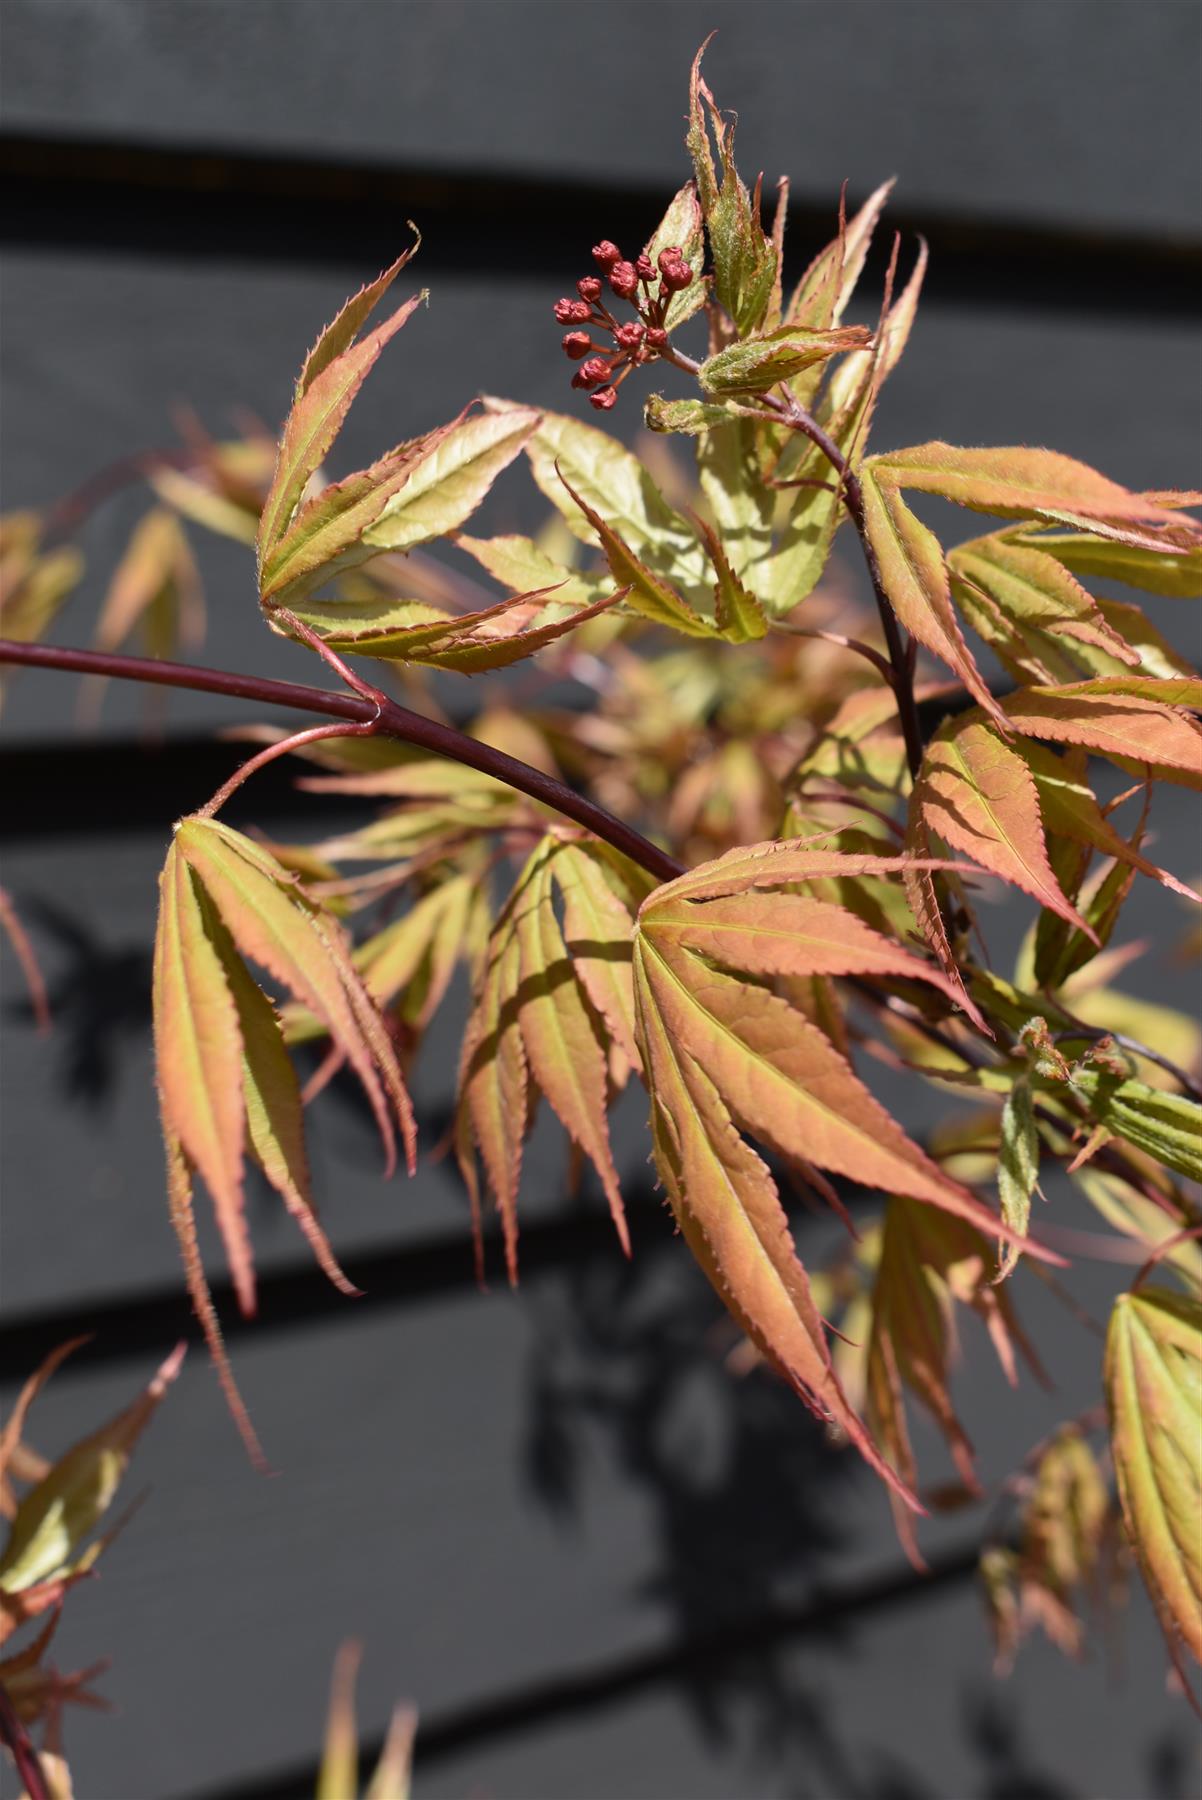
column 744, row 257
column 47, row 1547
column 756, row 364
column 1166, row 1126
column 1154, row 1393
column 1018, row 1165
column 681, row 228
column 724, row 1054
column 226, row 1085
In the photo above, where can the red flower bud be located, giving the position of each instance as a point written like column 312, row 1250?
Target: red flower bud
column 589, row 287
column 606, row 254
column 572, row 312
column 594, row 370
column 657, row 339
column 675, row 271
column 644, row 268
column 603, row 399
column 629, row 336
column 623, row 280
column 577, row 344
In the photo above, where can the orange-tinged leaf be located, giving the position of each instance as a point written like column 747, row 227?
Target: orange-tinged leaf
column 275, row 1130
column 1038, row 618
column 778, row 862
column 198, row 1053
column 1170, row 569
column 274, row 923
column 494, row 1084
column 411, row 631
column 1133, row 730
column 1154, row 1392
column 345, row 327
column 915, row 578
column 1017, row 482
column 1071, row 811
column 564, row 1049
column 156, row 570
column 598, row 935
column 781, row 1078
column 981, row 798
column 316, row 419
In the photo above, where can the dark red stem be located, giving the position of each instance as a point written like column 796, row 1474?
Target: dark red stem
column 388, row 719
column 14, row 1735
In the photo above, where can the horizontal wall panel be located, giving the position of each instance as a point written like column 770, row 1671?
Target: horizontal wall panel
column 97, row 353
column 1078, row 115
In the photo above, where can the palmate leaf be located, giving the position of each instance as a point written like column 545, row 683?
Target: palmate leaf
column 552, row 1009
column 226, row 1085
column 724, row 1054
column 1153, row 1376
column 979, row 796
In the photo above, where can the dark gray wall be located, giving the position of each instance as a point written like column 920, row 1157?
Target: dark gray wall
column 601, row 1565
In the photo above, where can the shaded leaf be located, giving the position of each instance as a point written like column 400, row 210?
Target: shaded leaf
column 1153, row 1384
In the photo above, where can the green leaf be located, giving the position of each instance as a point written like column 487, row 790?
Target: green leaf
column 47, row 1534
column 1166, row 1126
column 521, row 566
column 448, row 482
column 681, row 228
column 744, row 258
column 1153, row 1379
column 614, row 485
column 645, row 591
column 1172, row 570
column 756, row 364
column 689, row 416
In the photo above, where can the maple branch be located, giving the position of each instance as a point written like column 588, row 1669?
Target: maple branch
column 17, row 1740
column 901, row 654
column 384, row 718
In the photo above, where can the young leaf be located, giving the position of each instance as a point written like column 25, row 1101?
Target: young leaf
column 1018, row 1165
column 915, row 579
column 1036, row 616
column 575, row 466
column 756, row 364
column 1131, row 727
column 1153, row 1376
column 1166, row 1126
column 1020, row 483
column 411, row 631
column 45, row 1548
column 224, row 1079
column 1153, row 571
column 449, row 480
column 744, row 258
column 681, row 228
column 980, row 797
column 327, row 386
column 693, row 417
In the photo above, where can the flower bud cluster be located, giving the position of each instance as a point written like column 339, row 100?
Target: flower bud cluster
column 646, row 286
